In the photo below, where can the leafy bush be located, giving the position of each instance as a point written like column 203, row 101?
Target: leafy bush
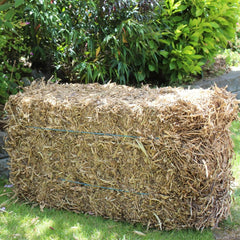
column 193, row 32
column 43, row 32
column 13, row 50
column 234, row 45
column 88, row 41
column 128, row 41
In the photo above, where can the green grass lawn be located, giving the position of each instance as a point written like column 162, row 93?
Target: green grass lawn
column 236, row 140
column 22, row 221
column 234, row 220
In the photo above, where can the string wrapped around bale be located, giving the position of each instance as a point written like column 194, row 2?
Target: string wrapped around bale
column 160, row 157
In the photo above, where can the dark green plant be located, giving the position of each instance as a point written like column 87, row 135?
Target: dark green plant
column 129, row 52
column 13, row 50
column 77, row 37
column 128, row 41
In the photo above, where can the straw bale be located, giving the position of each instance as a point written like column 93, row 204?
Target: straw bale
column 160, row 157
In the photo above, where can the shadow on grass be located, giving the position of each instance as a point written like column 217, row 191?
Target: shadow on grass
column 230, row 228
column 21, row 221
column 233, row 221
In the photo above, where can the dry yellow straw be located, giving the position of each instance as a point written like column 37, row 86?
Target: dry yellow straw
column 160, row 157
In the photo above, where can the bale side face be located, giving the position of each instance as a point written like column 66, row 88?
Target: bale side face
column 155, row 156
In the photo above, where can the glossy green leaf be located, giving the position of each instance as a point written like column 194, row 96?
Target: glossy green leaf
column 172, row 65
column 199, row 12
column 8, row 25
column 9, row 15
column 197, row 57
column 18, row 3
column 214, row 25
column 164, row 53
column 180, row 76
column 152, row 44
column 5, row 6
column 194, row 22
column 188, row 50
column 151, row 68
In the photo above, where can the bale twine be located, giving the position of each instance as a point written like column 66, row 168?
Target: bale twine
column 160, row 157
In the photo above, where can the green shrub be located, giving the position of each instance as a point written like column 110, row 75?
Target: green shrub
column 13, row 50
column 128, row 41
column 194, row 31
column 88, row 43
column 43, row 32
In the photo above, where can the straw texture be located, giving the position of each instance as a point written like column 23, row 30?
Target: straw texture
column 160, row 157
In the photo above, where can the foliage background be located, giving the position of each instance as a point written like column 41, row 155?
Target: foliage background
column 129, row 42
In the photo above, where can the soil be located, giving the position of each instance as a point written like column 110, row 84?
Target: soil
column 217, row 68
